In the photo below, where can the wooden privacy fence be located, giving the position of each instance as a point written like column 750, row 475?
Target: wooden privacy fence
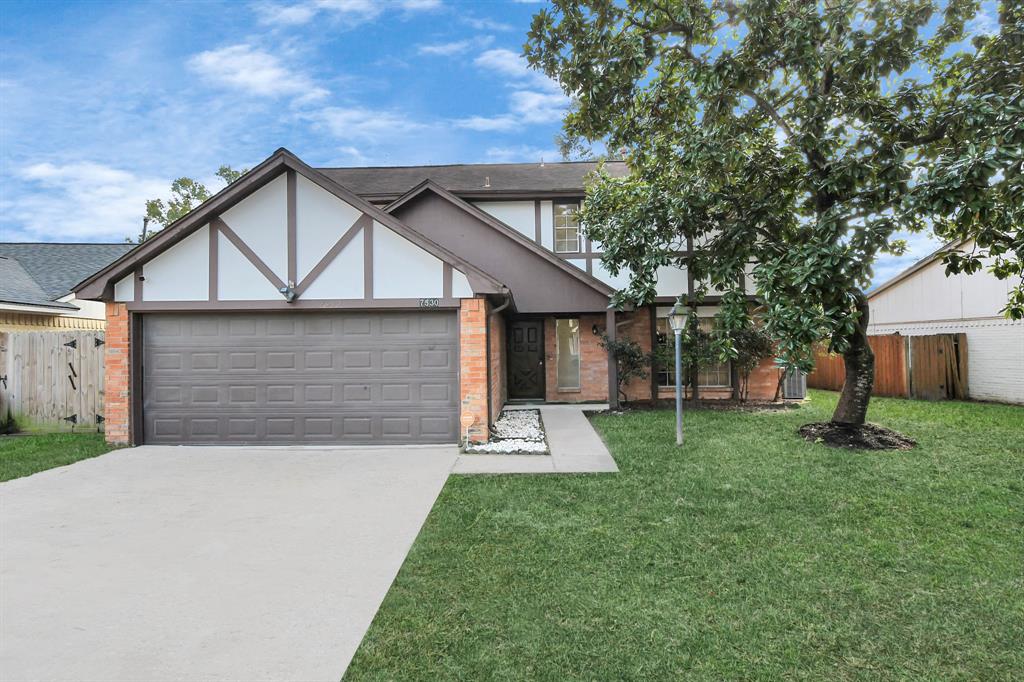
column 929, row 367
column 51, row 380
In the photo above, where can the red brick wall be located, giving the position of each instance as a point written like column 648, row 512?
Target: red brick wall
column 499, row 390
column 117, row 373
column 594, row 358
column 473, row 366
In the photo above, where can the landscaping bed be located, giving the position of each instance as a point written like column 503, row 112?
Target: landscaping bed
column 516, row 432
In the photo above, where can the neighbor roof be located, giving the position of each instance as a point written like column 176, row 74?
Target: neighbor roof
column 916, row 267
column 56, row 268
column 16, row 286
column 390, row 182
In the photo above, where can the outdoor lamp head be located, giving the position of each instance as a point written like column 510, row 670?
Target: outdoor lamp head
column 677, row 318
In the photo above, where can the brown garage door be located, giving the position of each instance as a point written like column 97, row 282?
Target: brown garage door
column 300, row 378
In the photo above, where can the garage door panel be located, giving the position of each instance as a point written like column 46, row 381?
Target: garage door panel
column 301, row 377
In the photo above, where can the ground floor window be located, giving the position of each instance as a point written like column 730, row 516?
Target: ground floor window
column 567, row 338
column 717, row 375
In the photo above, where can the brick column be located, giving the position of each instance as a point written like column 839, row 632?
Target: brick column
column 117, row 376
column 473, row 367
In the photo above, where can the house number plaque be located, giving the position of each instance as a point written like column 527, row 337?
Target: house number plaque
column 430, row 302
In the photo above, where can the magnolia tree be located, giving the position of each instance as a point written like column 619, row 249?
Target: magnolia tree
column 802, row 137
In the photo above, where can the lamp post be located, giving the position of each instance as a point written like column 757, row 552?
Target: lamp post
column 677, row 320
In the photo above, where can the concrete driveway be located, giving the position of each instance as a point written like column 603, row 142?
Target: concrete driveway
column 161, row 563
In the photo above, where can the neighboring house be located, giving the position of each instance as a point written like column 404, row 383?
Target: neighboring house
column 410, row 304
column 36, row 281
column 922, row 300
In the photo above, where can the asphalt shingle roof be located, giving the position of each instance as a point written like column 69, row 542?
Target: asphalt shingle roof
column 394, row 181
column 55, row 268
column 16, row 286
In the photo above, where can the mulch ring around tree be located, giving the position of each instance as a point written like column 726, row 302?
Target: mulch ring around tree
column 861, row 437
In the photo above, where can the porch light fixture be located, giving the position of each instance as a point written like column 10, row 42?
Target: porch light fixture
column 677, row 320
column 288, row 292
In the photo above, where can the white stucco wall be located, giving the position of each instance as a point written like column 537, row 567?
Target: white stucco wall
column 460, row 285
column 124, row 289
column 520, row 215
column 181, row 273
column 403, row 270
column 261, row 221
column 343, row 277
column 320, row 220
column 238, row 279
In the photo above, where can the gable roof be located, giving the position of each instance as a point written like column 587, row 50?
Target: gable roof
column 565, row 178
column 502, row 228
column 57, row 268
column 100, row 284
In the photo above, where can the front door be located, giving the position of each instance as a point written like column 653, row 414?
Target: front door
column 526, row 359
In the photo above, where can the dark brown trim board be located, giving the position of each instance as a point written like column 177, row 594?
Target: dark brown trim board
column 536, row 221
column 292, row 183
column 248, row 253
column 613, row 369
column 136, row 435
column 361, row 223
column 446, row 280
column 299, row 304
column 368, row 260
column 214, row 234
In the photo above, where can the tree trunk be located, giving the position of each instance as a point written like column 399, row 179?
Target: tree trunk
column 859, row 360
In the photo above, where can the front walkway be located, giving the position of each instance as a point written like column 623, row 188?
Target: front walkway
column 574, row 444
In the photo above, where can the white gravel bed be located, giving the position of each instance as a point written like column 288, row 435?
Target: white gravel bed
column 515, row 432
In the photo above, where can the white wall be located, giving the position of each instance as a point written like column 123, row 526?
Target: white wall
column 181, row 273
column 320, row 220
column 927, row 302
column 929, row 295
column 403, row 270
column 520, row 215
column 261, row 221
column 124, row 289
column 672, row 281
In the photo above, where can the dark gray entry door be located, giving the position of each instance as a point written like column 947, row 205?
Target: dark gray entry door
column 301, row 378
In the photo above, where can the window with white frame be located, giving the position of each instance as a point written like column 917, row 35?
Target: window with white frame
column 715, row 375
column 567, row 228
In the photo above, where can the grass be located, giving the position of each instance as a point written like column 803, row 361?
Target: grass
column 749, row 554
column 23, row 455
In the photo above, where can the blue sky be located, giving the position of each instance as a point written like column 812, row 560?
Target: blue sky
column 103, row 104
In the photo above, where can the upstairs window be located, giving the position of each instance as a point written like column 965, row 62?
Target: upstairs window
column 567, row 228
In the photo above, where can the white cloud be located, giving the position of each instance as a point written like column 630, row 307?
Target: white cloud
column 485, row 24
column 81, row 201
column 455, row 47
column 534, row 99
column 252, row 70
column 521, row 154
column 360, row 124
column 503, row 123
column 350, row 12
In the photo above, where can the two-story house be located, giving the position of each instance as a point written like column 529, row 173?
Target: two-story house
column 372, row 305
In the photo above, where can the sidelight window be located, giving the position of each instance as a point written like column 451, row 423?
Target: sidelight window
column 567, row 336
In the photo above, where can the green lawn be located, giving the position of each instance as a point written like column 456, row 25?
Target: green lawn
column 749, row 554
column 24, row 455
